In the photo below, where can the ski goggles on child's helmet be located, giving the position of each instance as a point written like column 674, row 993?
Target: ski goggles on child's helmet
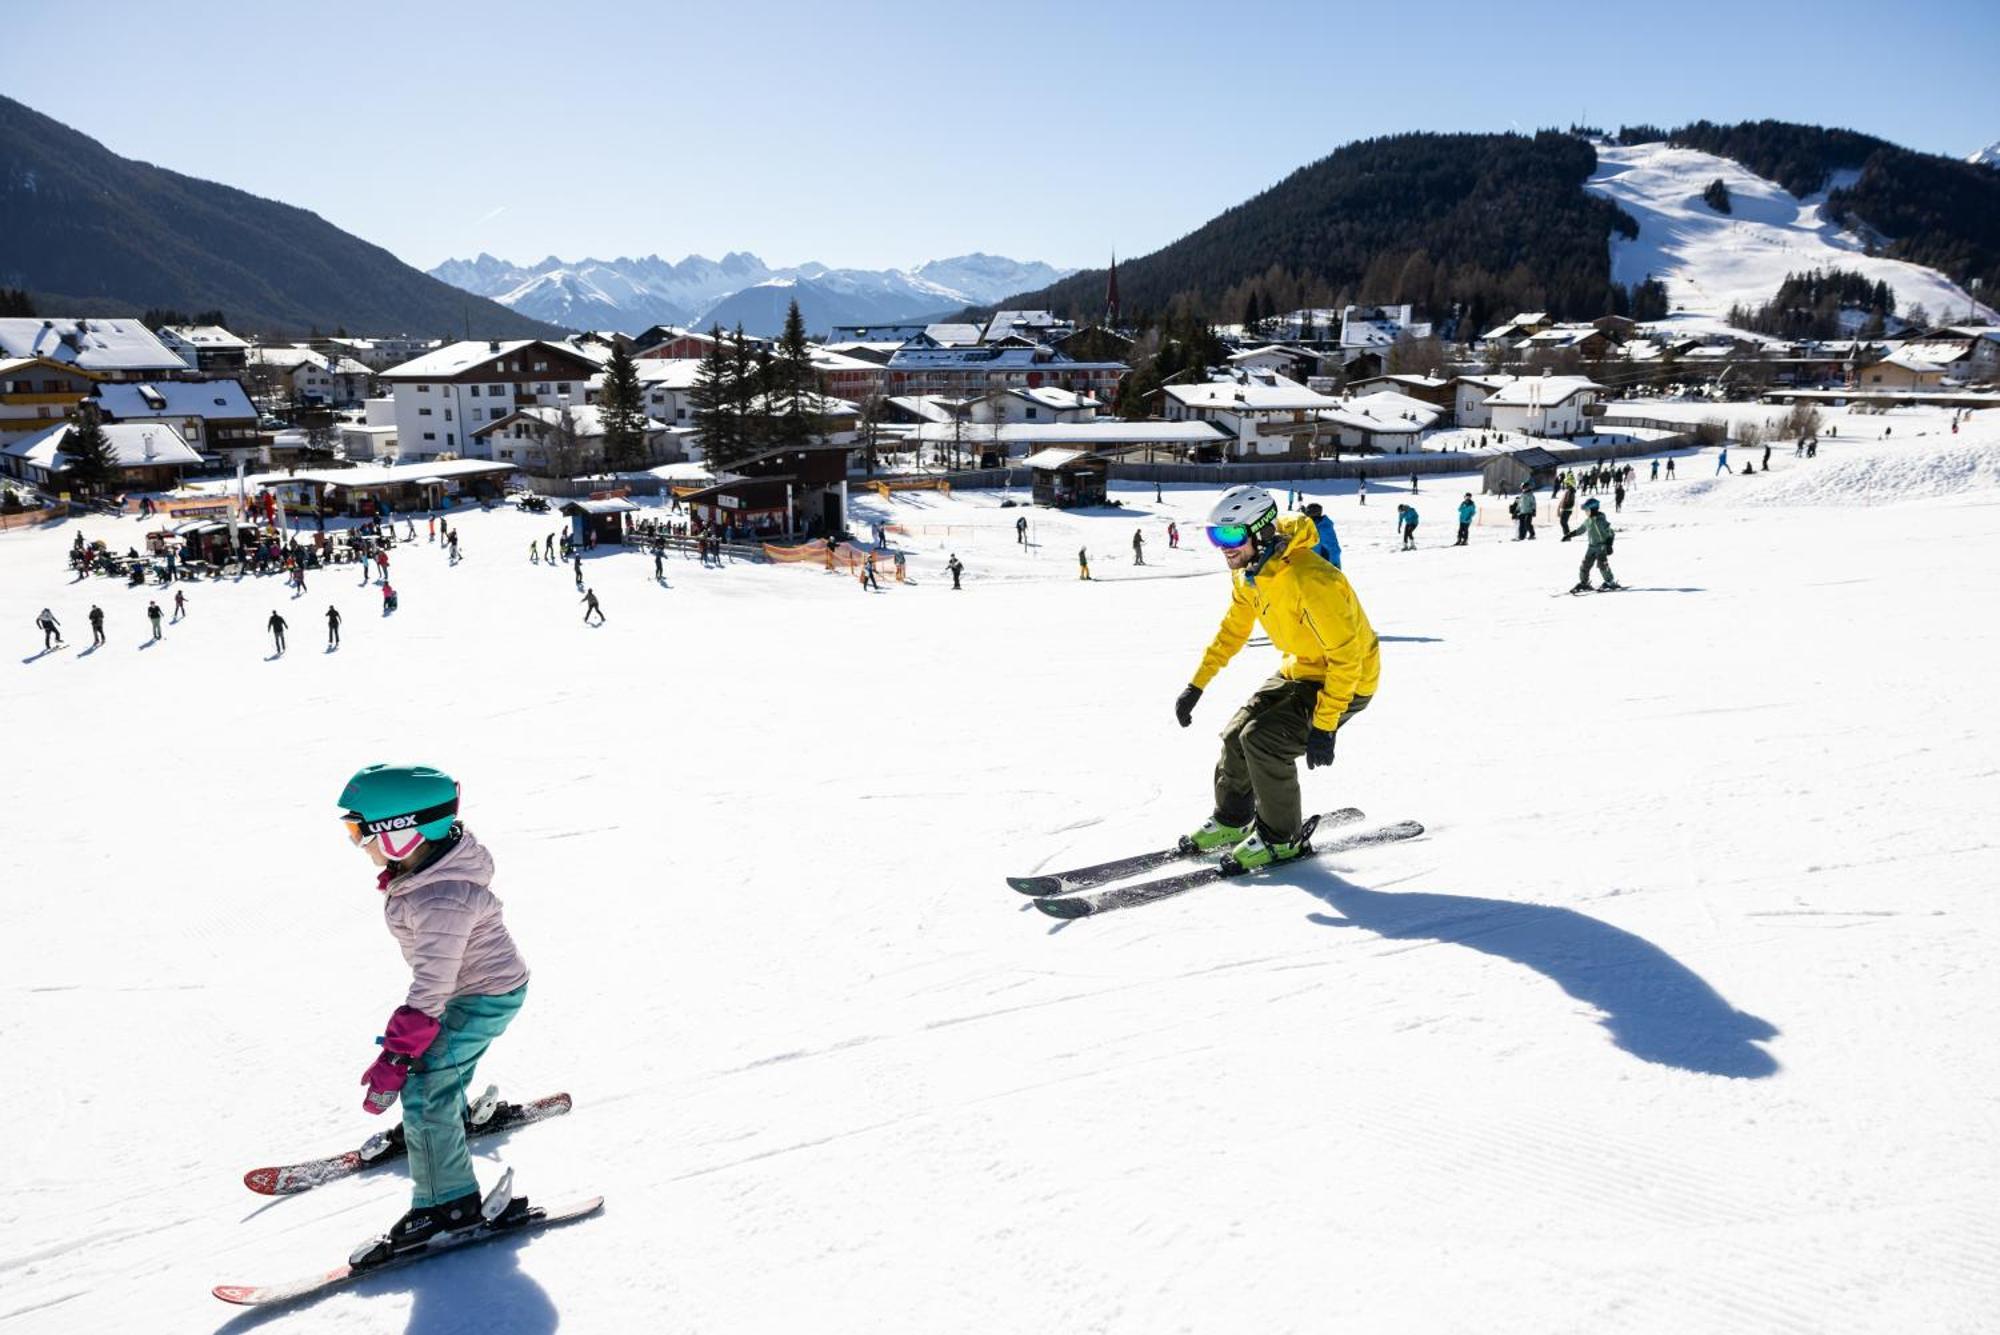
column 362, row 830
column 1229, row 536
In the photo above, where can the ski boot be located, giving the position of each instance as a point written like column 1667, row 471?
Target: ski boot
column 1612, row 587
column 1581, row 588
column 1257, row 851
column 1214, row 834
column 478, row 1113
column 418, row 1229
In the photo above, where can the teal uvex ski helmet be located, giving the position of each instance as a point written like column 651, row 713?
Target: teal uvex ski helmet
column 399, row 804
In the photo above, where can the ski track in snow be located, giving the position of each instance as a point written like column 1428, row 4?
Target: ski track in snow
column 1603, row 1052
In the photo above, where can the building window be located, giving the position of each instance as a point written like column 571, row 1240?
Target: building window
column 423, row 389
column 447, row 414
column 563, row 388
column 430, row 435
column 423, row 412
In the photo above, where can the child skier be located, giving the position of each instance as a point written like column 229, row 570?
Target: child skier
column 467, row 983
column 1330, row 670
column 1597, row 532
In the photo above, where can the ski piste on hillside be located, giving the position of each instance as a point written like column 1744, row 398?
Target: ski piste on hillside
column 1677, row 879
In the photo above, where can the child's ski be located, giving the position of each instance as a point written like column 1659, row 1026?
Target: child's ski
column 287, row 1178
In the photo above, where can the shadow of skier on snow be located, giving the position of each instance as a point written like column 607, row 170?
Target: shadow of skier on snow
column 1655, row 1007
column 482, row 1288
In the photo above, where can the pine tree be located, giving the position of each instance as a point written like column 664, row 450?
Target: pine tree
column 713, row 397
column 748, row 382
column 1716, row 196
column 93, row 464
column 794, row 386
column 621, row 408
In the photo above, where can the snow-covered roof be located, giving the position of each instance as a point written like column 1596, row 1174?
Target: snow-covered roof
column 137, row 444
column 1054, row 458
column 203, row 336
column 662, row 373
column 1277, row 394
column 1390, row 406
column 588, row 418
column 1909, row 360
column 1035, row 323
column 1061, row 400
column 825, row 360
column 929, row 407
column 456, row 358
column 1942, row 354
column 609, row 505
column 9, row 365
column 289, row 358
column 683, row 472
column 953, row 335
column 94, row 345
column 1545, row 391
column 1277, row 349
column 1099, row 434
column 1490, row 382
column 206, row 399
column 373, row 475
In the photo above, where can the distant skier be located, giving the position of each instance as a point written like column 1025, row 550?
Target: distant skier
column 1083, row 562
column 454, row 548
column 1524, row 513
column 389, row 600
column 276, row 625
column 332, row 626
column 51, row 629
column 578, row 562
column 180, row 604
column 1330, row 670
column 868, row 580
column 1329, row 541
column 153, row 615
column 1618, row 495
column 96, row 625
column 1467, row 512
column 549, row 549
column 1138, row 547
column 660, row 564
column 1656, row 470
column 468, row 981
column 1406, row 521
column 1173, row 536
column 1722, row 462
column 957, row 569
column 1565, row 506
column 1021, row 530
column 1598, row 533
column 534, row 552
column 590, row 607
column 1670, row 470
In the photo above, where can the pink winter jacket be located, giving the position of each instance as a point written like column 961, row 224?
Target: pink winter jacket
column 448, row 923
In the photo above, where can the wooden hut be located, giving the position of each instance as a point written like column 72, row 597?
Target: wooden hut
column 1504, row 475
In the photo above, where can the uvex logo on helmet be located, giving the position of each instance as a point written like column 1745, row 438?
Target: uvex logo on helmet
column 392, row 823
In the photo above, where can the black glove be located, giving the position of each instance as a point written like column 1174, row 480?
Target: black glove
column 1319, row 748
column 1184, row 707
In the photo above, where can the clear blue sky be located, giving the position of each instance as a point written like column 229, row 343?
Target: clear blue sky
column 876, row 134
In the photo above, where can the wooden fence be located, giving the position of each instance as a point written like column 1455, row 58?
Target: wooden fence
column 30, row 518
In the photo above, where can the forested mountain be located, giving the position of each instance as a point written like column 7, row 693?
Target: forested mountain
column 1923, row 207
column 1485, row 223
column 1475, row 226
column 88, row 233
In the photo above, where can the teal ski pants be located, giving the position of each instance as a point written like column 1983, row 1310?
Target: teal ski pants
column 434, row 1098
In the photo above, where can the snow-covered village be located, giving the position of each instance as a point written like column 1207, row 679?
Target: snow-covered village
column 1365, row 721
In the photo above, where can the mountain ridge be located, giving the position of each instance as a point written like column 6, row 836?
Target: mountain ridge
column 91, row 232
column 631, row 293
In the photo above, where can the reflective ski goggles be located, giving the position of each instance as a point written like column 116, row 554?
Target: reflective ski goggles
column 361, row 830
column 1229, row 536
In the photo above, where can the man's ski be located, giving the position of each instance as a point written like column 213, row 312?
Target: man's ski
column 264, row 1295
column 1103, row 873
column 288, row 1178
column 1130, row 896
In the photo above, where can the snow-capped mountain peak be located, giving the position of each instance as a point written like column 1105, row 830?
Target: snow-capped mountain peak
column 631, row 294
column 1988, row 156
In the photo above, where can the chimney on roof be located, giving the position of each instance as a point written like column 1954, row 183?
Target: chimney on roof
column 493, row 345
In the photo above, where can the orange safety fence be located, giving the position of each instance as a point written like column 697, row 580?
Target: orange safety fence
column 884, row 486
column 843, row 556
column 29, row 518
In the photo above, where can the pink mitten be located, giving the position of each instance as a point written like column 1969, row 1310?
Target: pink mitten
column 409, row 1032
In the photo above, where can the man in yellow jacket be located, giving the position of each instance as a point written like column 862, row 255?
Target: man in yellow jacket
column 1331, row 665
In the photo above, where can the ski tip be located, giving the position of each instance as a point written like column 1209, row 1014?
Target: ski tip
column 1034, row 885
column 263, row 1181
column 1064, row 908
column 241, row 1294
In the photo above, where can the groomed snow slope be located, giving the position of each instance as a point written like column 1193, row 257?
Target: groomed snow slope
column 1679, row 1018
column 1710, row 261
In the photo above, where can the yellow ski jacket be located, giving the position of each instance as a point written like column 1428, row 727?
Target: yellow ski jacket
column 1310, row 612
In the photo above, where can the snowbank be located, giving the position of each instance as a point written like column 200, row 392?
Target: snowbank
column 1881, row 476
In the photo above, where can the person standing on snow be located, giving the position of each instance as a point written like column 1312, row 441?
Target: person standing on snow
column 332, row 626
column 1021, row 530
column 276, row 625
column 957, row 569
column 468, row 981
column 1329, row 542
column 51, row 629
column 96, row 625
column 1406, row 520
column 1173, row 535
column 1565, row 506
column 180, row 604
column 1138, row 547
column 1598, row 533
column 1083, row 562
column 590, row 607
column 1467, row 512
column 1330, row 670
column 1524, row 513
column 153, row 615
